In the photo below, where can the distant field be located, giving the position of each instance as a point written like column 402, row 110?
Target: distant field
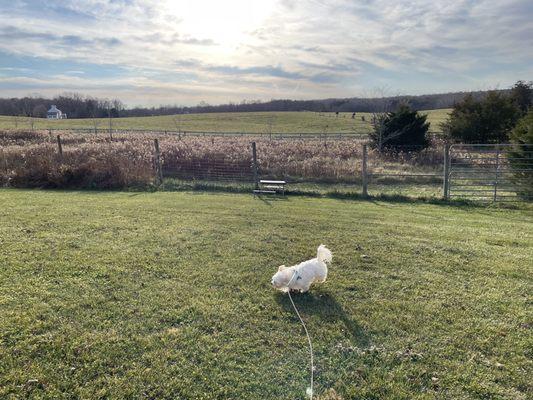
column 254, row 122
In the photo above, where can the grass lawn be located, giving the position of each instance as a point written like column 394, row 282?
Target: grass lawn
column 252, row 122
column 167, row 295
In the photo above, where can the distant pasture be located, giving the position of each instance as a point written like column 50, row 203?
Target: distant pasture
column 247, row 122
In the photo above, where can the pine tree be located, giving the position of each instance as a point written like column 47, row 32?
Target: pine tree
column 521, row 156
column 403, row 129
column 488, row 120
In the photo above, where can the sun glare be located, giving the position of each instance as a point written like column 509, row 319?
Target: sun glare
column 225, row 22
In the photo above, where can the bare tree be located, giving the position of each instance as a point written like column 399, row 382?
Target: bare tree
column 26, row 106
column 385, row 104
column 39, row 111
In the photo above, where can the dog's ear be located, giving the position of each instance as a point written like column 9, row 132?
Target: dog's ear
column 281, row 268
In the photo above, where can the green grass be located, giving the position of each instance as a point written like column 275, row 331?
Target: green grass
column 167, row 295
column 254, row 122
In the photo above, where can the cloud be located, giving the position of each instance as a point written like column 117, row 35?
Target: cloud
column 267, row 70
column 248, row 49
column 13, row 34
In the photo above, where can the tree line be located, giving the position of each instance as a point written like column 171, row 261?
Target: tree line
column 73, row 104
column 76, row 105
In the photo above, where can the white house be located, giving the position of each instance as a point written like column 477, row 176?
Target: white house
column 55, row 113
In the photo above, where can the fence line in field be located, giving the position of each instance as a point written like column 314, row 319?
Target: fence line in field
column 201, row 133
column 449, row 174
column 481, row 172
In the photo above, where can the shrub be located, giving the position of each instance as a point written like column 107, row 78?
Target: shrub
column 488, row 120
column 402, row 129
column 521, row 156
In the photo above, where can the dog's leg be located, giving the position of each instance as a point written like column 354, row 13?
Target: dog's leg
column 305, row 288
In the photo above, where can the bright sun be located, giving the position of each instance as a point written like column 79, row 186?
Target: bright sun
column 225, row 22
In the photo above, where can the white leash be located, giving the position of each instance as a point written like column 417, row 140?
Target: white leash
column 309, row 389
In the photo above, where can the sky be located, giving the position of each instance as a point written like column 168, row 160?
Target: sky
column 153, row 52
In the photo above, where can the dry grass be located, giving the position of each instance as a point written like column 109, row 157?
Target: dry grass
column 31, row 159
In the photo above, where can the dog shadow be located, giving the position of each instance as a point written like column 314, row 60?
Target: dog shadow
column 325, row 306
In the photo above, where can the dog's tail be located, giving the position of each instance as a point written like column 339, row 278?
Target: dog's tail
column 324, row 254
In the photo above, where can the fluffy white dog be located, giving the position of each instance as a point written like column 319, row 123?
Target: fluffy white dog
column 300, row 277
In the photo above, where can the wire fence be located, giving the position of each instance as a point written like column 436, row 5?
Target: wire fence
column 206, row 133
column 350, row 166
column 321, row 136
column 217, row 169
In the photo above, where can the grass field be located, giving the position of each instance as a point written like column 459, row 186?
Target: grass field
column 254, row 122
column 167, row 296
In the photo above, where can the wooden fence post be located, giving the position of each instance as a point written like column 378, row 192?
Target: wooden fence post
column 446, row 173
column 255, row 166
column 364, row 171
column 110, row 124
column 157, row 161
column 59, row 147
column 496, row 171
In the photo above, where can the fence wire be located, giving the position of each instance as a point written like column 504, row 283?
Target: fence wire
column 221, row 169
column 480, row 172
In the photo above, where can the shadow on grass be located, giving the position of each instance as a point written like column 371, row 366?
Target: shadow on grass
column 271, row 198
column 177, row 185
column 398, row 198
column 327, row 308
column 196, row 186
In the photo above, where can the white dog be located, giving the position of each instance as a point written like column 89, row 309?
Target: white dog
column 300, row 277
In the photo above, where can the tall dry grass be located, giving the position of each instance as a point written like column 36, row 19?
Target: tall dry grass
column 34, row 161
column 31, row 159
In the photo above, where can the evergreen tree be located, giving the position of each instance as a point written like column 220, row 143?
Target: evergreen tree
column 521, row 156
column 402, row 129
column 522, row 95
column 488, row 120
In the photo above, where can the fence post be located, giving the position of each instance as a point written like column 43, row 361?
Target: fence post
column 446, row 177
column 497, row 167
column 110, row 123
column 255, row 166
column 157, row 160
column 59, row 147
column 364, row 171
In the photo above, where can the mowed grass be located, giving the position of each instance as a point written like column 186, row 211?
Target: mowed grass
column 167, row 296
column 253, row 122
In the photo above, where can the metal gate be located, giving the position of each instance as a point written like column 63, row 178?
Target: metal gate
column 491, row 172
